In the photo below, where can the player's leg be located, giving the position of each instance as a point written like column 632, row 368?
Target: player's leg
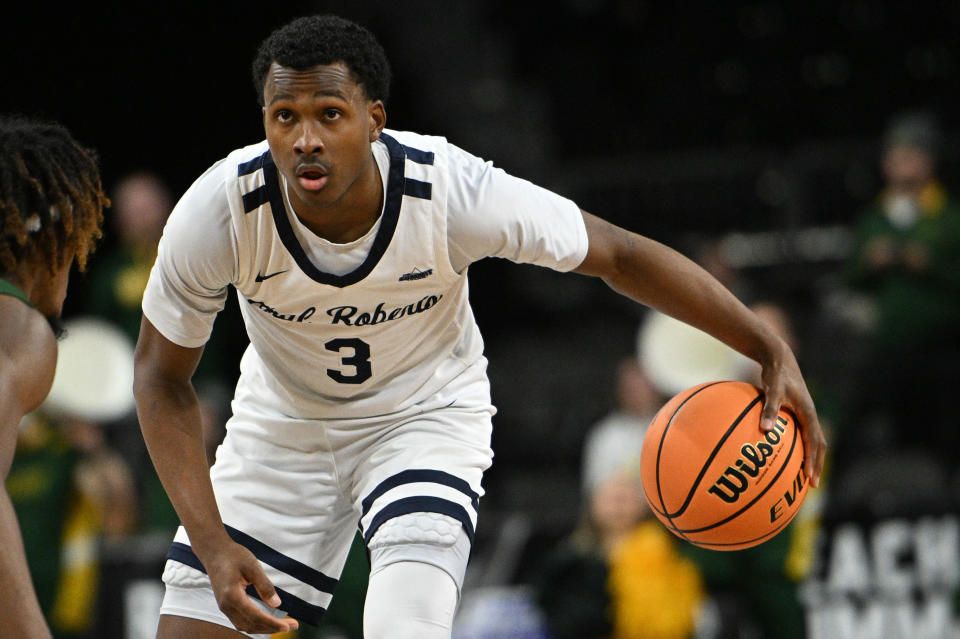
column 410, row 600
column 418, row 488
column 418, row 562
column 417, row 565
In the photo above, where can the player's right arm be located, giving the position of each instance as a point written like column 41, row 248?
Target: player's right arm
column 28, row 356
column 170, row 420
column 196, row 260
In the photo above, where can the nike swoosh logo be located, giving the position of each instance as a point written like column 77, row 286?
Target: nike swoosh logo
column 260, row 277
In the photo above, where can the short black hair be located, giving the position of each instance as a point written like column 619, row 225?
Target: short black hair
column 51, row 197
column 325, row 39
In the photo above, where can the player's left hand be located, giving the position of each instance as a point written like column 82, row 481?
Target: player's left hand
column 783, row 386
column 231, row 568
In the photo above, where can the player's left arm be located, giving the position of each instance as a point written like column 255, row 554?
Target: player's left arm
column 660, row 277
column 28, row 353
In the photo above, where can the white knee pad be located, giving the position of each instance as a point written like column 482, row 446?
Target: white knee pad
column 410, row 600
column 417, row 528
column 427, row 538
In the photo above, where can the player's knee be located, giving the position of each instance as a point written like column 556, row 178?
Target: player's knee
column 428, row 538
column 412, row 593
column 410, row 600
column 433, row 529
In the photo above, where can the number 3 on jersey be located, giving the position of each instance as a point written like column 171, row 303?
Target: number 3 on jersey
column 357, row 356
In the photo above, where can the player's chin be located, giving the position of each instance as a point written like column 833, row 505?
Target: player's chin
column 322, row 196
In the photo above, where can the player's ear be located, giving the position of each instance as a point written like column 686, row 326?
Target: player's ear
column 378, row 119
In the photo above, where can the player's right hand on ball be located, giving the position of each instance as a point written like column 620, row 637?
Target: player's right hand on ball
column 231, row 570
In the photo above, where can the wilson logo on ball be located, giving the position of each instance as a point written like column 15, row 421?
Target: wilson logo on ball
column 731, row 484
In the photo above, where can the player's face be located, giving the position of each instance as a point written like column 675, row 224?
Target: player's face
column 319, row 125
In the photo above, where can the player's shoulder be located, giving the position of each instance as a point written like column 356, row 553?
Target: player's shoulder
column 417, row 140
column 21, row 322
column 28, row 347
column 458, row 164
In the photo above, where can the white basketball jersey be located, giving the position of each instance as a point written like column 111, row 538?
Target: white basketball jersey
column 373, row 341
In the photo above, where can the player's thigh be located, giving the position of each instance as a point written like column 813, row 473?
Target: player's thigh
column 175, row 627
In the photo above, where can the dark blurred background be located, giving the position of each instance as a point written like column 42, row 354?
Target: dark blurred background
column 749, row 129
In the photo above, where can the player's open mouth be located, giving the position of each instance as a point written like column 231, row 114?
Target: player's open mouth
column 312, row 178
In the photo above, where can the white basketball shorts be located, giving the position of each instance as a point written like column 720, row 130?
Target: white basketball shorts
column 295, row 491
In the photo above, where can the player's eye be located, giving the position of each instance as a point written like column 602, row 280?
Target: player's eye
column 332, row 114
column 283, row 115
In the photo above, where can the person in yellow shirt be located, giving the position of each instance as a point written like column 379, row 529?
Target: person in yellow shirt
column 619, row 575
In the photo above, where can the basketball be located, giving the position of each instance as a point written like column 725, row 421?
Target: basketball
column 713, row 477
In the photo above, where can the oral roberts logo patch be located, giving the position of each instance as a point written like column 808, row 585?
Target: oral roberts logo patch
column 415, row 274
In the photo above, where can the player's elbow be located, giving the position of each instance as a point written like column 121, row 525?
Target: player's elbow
column 160, row 364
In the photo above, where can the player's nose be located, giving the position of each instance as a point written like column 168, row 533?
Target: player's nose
column 309, row 139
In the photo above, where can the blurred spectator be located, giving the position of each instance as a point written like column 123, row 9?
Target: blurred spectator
column 103, row 477
column 72, row 492
column 619, row 575
column 615, row 441
column 907, row 258
column 141, row 204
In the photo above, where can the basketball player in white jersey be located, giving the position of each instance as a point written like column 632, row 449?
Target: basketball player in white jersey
column 363, row 400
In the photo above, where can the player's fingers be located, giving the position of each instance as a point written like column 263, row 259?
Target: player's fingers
column 248, row 617
column 772, row 400
column 268, row 594
column 235, row 600
column 263, row 585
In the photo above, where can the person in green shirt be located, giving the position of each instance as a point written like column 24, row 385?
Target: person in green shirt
column 51, row 211
column 906, row 258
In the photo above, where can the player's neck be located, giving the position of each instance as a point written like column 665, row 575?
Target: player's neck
column 43, row 292
column 23, row 278
column 350, row 217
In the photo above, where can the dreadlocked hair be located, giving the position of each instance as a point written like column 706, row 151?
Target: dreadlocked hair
column 51, row 197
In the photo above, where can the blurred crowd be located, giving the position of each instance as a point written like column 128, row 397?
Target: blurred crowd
column 96, row 522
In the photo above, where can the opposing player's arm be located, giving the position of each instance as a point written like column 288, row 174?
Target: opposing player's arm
column 169, row 416
column 28, row 352
column 662, row 278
